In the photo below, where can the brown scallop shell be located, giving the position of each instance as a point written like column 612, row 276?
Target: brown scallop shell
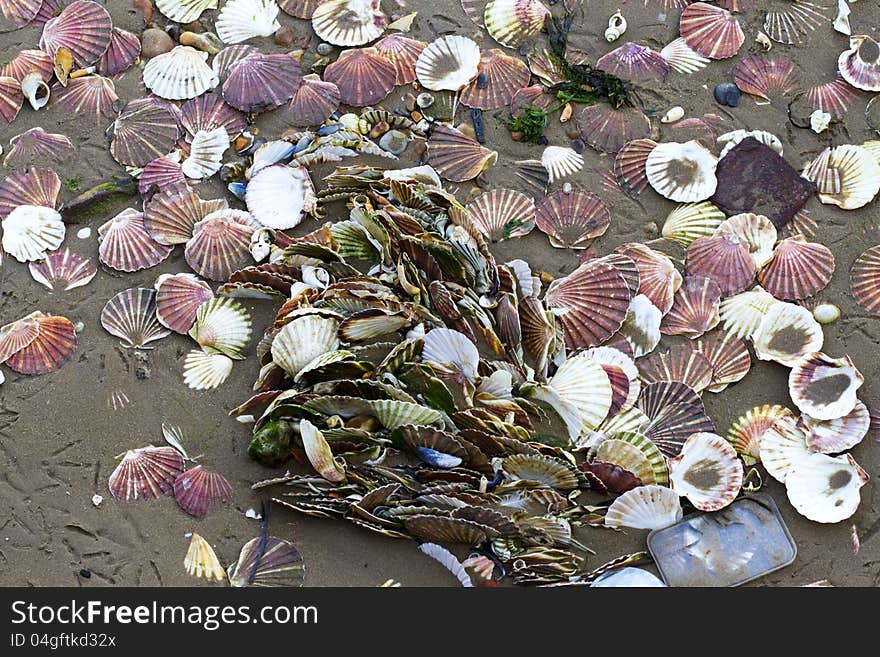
column 500, row 77
column 725, row 260
column 799, row 269
column 694, row 309
column 53, row 345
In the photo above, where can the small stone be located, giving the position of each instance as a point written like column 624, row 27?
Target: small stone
column 543, row 141
column 826, row 313
column 424, row 100
column 416, row 116
column 409, row 101
column 379, row 129
column 419, row 149
column 651, row 228
column 284, row 36
column 97, row 499
column 516, row 135
column 324, row 48
column 85, row 573
column 155, row 42
column 727, row 93
column 578, row 145
column 84, row 233
column 195, row 26
column 394, row 141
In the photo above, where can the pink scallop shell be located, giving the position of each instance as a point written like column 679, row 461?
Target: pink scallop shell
column 262, row 82
column 403, row 53
column 725, row 260
column 572, row 220
column 220, row 245
column 500, row 77
column 694, row 309
column 35, row 186
column 131, row 316
column 84, row 28
column 199, row 491
column 146, row 473
column 146, row 129
column 362, row 75
column 177, row 299
column 711, row 31
column 634, row 62
column 606, row 129
column 63, row 270
column 53, row 346
column 313, row 102
column 122, row 53
column 209, row 112
column 125, row 244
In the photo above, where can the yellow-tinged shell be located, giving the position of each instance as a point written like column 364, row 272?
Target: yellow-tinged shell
column 201, row 561
column 745, row 434
column 781, row 445
column 301, row 341
column 511, row 22
column 203, row 371
column 319, row 454
column 691, row 221
column 742, row 314
column 858, row 173
column 645, row 507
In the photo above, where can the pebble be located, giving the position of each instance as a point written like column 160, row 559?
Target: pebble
column 727, row 93
column 324, row 48
column 424, row 100
column 155, row 42
column 409, row 101
column 84, row 572
column 97, row 499
column 578, row 145
column 826, row 313
column 379, row 129
column 394, row 141
column 416, row 116
column 84, row 233
column 283, row 36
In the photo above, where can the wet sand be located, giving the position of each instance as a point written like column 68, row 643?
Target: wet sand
column 59, row 435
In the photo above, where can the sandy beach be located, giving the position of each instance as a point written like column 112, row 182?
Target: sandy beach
column 60, row 433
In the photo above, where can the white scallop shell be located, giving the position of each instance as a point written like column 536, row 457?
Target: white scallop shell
column 184, row 11
column 202, row 371
column 278, row 196
column 206, row 153
column 561, row 161
column 222, row 325
column 742, row 314
column 240, row 20
column 583, row 383
column 641, row 328
column 787, row 333
column 450, row 348
column 348, row 22
column 730, row 139
column 824, row 488
column 682, row 172
column 781, row 445
column 754, row 231
column 448, row 63
column 29, row 231
column 682, row 58
column 180, row 74
column 302, row 340
column 645, row 507
column 707, row 471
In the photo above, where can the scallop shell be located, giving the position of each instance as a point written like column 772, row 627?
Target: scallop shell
column 19, row 334
column 659, row 280
column 198, row 491
column 203, row 371
column 34, row 186
column 362, row 76
column 455, row 156
column 448, row 560
column 590, row 304
column 674, row 424
column 448, row 63
column 823, row 387
column 511, row 22
column 500, row 77
column 629, row 166
column 824, row 488
column 834, row 97
column 220, row 244
column 313, row 102
column 123, row 52
column 63, row 270
column 707, row 472
column 502, row 214
column 682, row 58
column 230, row 56
column 299, row 8
column 431, row 528
column 89, row 95
column 766, row 78
column 180, row 74
column 436, row 448
column 742, row 314
column 178, row 296
column 641, row 327
column 680, row 363
column 20, row 12
column 655, row 397
column 725, row 260
column 145, row 129
column 682, row 172
column 53, row 345
column 83, row 27
column 302, row 340
column 792, row 24
column 545, row 470
column 208, row 112
column 622, row 374
column 278, row 196
column 125, row 244
column 711, row 31
column 572, row 219
column 840, row 434
column 746, row 433
column 262, row 82
column 634, row 452
column 860, row 65
column 30, row 231
column 799, row 269
column 728, row 356
column 730, row 139
column 858, row 172
column 11, row 98
column 865, row 280
column 268, row 561
column 755, row 231
column 206, row 153
column 201, row 561
column 403, row 52
column 787, row 334
column 28, row 61
column 448, row 347
column 645, row 507
column 634, row 62
column 184, row 11
column 607, row 129
column 222, row 325
column 348, row 22
column 145, row 473
column 691, row 221
column 161, row 173
column 561, row 162
column 319, row 453
column 583, row 383
column 131, row 316
column 694, row 309
column 171, row 215
column 36, row 144
column 623, row 264
column 240, row 20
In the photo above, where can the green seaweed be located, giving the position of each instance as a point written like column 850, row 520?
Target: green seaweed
column 530, row 125
column 73, row 184
column 270, row 445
